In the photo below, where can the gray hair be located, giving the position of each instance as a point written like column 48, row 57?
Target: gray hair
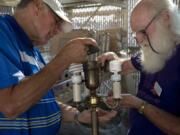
column 165, row 5
column 23, row 3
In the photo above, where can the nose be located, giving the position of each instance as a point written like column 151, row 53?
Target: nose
column 139, row 37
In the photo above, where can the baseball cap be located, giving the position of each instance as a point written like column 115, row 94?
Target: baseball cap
column 56, row 7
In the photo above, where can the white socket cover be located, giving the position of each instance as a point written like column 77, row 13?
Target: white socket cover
column 115, row 66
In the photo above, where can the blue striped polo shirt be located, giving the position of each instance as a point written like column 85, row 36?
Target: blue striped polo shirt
column 19, row 59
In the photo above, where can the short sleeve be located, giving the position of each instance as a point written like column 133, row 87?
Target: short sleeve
column 10, row 73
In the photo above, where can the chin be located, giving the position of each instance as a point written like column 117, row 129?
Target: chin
column 40, row 43
column 153, row 62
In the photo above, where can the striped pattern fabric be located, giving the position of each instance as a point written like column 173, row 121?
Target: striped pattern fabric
column 29, row 123
column 19, row 59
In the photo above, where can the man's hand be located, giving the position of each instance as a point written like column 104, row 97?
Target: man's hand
column 69, row 112
column 127, row 66
column 75, row 51
column 127, row 100
column 103, row 116
column 107, row 57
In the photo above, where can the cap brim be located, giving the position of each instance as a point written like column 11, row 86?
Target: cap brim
column 67, row 24
column 56, row 8
column 62, row 16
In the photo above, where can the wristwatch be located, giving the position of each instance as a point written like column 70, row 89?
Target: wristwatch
column 76, row 120
column 142, row 107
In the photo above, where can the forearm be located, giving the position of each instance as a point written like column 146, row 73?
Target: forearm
column 167, row 122
column 19, row 98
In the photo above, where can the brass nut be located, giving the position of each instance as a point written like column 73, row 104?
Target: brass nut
column 93, row 100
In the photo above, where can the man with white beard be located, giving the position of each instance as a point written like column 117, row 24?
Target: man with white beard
column 156, row 108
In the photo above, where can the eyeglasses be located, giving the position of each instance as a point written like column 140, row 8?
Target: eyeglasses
column 144, row 32
column 58, row 20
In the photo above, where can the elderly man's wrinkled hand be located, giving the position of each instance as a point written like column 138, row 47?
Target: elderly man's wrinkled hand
column 127, row 101
column 103, row 116
column 108, row 56
column 75, row 51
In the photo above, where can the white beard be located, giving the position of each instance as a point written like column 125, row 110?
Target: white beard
column 162, row 42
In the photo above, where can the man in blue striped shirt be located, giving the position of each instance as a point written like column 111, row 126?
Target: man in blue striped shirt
column 27, row 103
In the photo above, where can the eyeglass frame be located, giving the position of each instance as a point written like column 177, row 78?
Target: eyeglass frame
column 144, row 32
column 58, row 20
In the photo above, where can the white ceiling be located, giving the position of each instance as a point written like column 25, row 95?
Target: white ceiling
column 66, row 2
column 8, row 2
column 75, row 3
column 14, row 2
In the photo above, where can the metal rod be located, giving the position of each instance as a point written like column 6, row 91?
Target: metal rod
column 95, row 124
